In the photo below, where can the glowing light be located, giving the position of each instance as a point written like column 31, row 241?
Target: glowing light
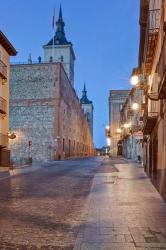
column 135, row 106
column 126, row 125
column 119, row 130
column 108, row 141
column 107, row 127
column 134, row 80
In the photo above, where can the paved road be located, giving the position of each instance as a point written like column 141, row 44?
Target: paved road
column 42, row 209
column 88, row 204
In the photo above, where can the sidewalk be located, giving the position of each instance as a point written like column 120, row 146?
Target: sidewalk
column 124, row 211
column 6, row 172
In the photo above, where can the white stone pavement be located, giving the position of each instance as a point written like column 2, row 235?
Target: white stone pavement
column 123, row 211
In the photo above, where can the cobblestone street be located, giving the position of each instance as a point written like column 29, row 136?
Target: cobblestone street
column 43, row 208
column 82, row 204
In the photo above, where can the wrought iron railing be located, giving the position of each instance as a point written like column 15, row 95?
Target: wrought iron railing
column 3, row 70
column 3, row 140
column 152, row 30
column 3, row 106
column 161, row 67
column 148, row 114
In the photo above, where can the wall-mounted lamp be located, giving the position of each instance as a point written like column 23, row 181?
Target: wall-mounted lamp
column 108, row 141
column 127, row 125
column 134, row 80
column 135, row 106
column 11, row 135
column 118, row 130
column 139, row 80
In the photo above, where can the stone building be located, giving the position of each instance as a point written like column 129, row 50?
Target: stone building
column 45, row 112
column 152, row 79
column 116, row 100
column 88, row 108
column 59, row 49
column 6, row 50
column 131, row 130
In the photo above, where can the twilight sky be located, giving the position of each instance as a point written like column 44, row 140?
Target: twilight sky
column 105, row 36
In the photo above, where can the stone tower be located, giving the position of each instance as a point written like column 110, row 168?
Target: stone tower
column 87, row 106
column 58, row 49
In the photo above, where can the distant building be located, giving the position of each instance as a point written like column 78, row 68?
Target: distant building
column 45, row 112
column 6, row 50
column 131, row 126
column 88, row 108
column 116, row 100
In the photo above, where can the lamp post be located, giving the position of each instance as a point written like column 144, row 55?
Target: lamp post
column 108, row 138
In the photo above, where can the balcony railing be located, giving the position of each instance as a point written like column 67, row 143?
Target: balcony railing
column 161, row 69
column 152, row 30
column 3, row 140
column 3, row 70
column 3, row 106
column 149, row 121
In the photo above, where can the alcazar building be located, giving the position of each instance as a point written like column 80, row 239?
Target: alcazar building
column 45, row 113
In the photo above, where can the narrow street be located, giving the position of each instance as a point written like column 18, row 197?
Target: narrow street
column 93, row 203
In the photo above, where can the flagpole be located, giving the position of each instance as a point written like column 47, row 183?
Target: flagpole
column 53, row 25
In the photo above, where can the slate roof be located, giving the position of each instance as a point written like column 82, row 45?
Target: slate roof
column 84, row 99
column 59, row 38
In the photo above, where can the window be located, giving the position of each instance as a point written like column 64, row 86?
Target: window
column 63, row 145
column 120, row 107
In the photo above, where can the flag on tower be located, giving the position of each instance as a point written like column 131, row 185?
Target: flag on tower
column 53, row 19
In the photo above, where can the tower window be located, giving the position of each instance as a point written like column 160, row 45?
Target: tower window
column 120, row 107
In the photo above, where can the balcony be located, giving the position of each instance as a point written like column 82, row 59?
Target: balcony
column 149, row 122
column 3, row 140
column 152, row 30
column 161, row 69
column 3, row 70
column 3, row 106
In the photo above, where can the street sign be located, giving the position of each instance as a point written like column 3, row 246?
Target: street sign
column 138, row 135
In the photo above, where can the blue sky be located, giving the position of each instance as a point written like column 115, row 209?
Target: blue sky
column 105, row 36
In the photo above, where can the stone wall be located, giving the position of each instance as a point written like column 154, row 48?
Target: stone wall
column 74, row 126
column 32, row 108
column 45, row 113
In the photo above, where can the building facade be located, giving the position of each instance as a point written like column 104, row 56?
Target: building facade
column 6, row 50
column 116, row 100
column 45, row 112
column 88, row 108
column 152, row 79
column 131, row 126
column 59, row 49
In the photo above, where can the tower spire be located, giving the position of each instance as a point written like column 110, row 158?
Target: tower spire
column 84, row 99
column 84, row 90
column 59, row 38
column 60, row 12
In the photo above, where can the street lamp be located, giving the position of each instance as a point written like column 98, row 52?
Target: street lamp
column 11, row 135
column 118, row 130
column 127, row 125
column 135, row 106
column 108, row 141
column 134, row 80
